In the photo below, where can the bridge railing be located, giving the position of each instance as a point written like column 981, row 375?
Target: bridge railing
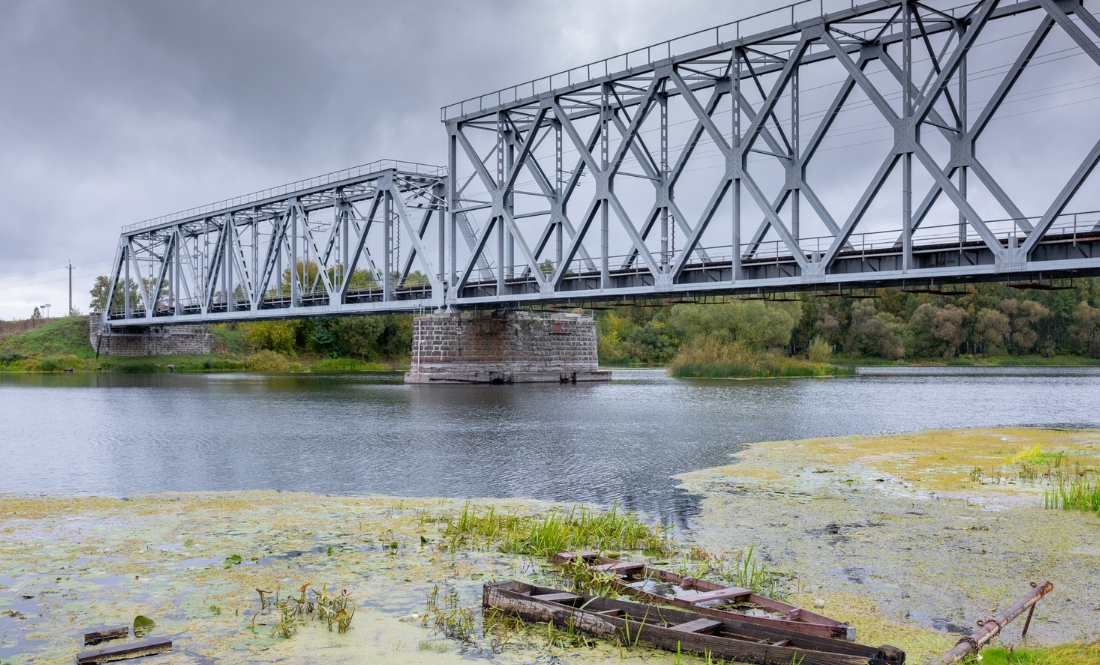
column 290, row 188
column 787, row 16
column 1084, row 225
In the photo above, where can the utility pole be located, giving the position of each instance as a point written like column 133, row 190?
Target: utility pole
column 70, row 287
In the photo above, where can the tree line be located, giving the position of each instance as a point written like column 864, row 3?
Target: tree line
column 982, row 320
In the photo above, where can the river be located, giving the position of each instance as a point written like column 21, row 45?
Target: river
column 117, row 434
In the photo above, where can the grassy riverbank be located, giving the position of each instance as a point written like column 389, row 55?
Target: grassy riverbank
column 896, row 535
column 58, row 345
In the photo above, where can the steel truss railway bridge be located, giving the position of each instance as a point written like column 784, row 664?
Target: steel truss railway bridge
column 574, row 187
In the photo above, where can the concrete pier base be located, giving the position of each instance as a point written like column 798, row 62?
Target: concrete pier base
column 515, row 348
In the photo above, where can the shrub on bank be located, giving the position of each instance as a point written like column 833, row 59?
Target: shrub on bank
column 267, row 361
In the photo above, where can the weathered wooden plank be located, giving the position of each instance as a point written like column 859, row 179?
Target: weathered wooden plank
column 105, row 635
column 622, row 568
column 124, row 651
column 557, row 597
column 697, row 626
column 720, row 594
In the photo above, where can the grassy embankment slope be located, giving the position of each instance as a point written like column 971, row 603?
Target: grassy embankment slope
column 60, row 344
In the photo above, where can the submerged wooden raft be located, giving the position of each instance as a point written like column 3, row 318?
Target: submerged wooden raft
column 676, row 630
column 631, row 578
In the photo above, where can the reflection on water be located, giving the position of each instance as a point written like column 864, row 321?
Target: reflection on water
column 355, row 434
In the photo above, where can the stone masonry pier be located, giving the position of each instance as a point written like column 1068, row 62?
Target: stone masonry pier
column 514, row 348
column 185, row 340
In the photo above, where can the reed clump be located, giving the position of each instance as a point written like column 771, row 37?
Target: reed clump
column 447, row 616
column 1081, row 492
column 555, row 531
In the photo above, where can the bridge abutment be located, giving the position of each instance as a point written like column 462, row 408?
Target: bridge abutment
column 514, row 348
column 183, row 340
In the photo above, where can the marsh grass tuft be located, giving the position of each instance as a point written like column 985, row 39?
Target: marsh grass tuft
column 555, row 531
column 1063, row 654
column 1078, row 493
column 446, row 616
column 580, row 577
column 745, row 571
column 330, row 609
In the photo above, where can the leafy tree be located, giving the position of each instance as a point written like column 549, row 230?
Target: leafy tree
column 322, row 339
column 936, row 331
column 751, row 324
column 1024, row 315
column 361, row 336
column 278, row 336
column 992, row 329
column 828, row 326
column 819, row 350
column 613, row 331
column 653, row 342
column 874, row 333
column 1085, row 329
column 102, row 285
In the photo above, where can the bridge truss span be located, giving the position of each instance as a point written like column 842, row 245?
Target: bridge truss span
column 328, row 245
column 693, row 165
column 820, row 146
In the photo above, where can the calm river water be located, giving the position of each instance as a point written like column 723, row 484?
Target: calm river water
column 351, row 434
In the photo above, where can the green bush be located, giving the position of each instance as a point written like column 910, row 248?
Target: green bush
column 51, row 365
column 819, row 350
column 267, row 361
column 278, row 336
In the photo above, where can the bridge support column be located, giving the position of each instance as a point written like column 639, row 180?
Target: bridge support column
column 513, row 348
column 180, row 340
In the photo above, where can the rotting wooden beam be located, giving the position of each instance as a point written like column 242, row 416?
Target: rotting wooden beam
column 105, row 635
column 124, row 651
column 989, row 628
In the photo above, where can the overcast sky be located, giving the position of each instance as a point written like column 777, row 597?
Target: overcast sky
column 118, row 111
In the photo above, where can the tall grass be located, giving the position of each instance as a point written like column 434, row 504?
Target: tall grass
column 1079, row 493
column 767, row 368
column 555, row 531
column 1063, row 654
column 348, row 365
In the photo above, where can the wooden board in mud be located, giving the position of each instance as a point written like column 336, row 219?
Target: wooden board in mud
column 673, row 629
column 124, row 651
column 631, row 578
